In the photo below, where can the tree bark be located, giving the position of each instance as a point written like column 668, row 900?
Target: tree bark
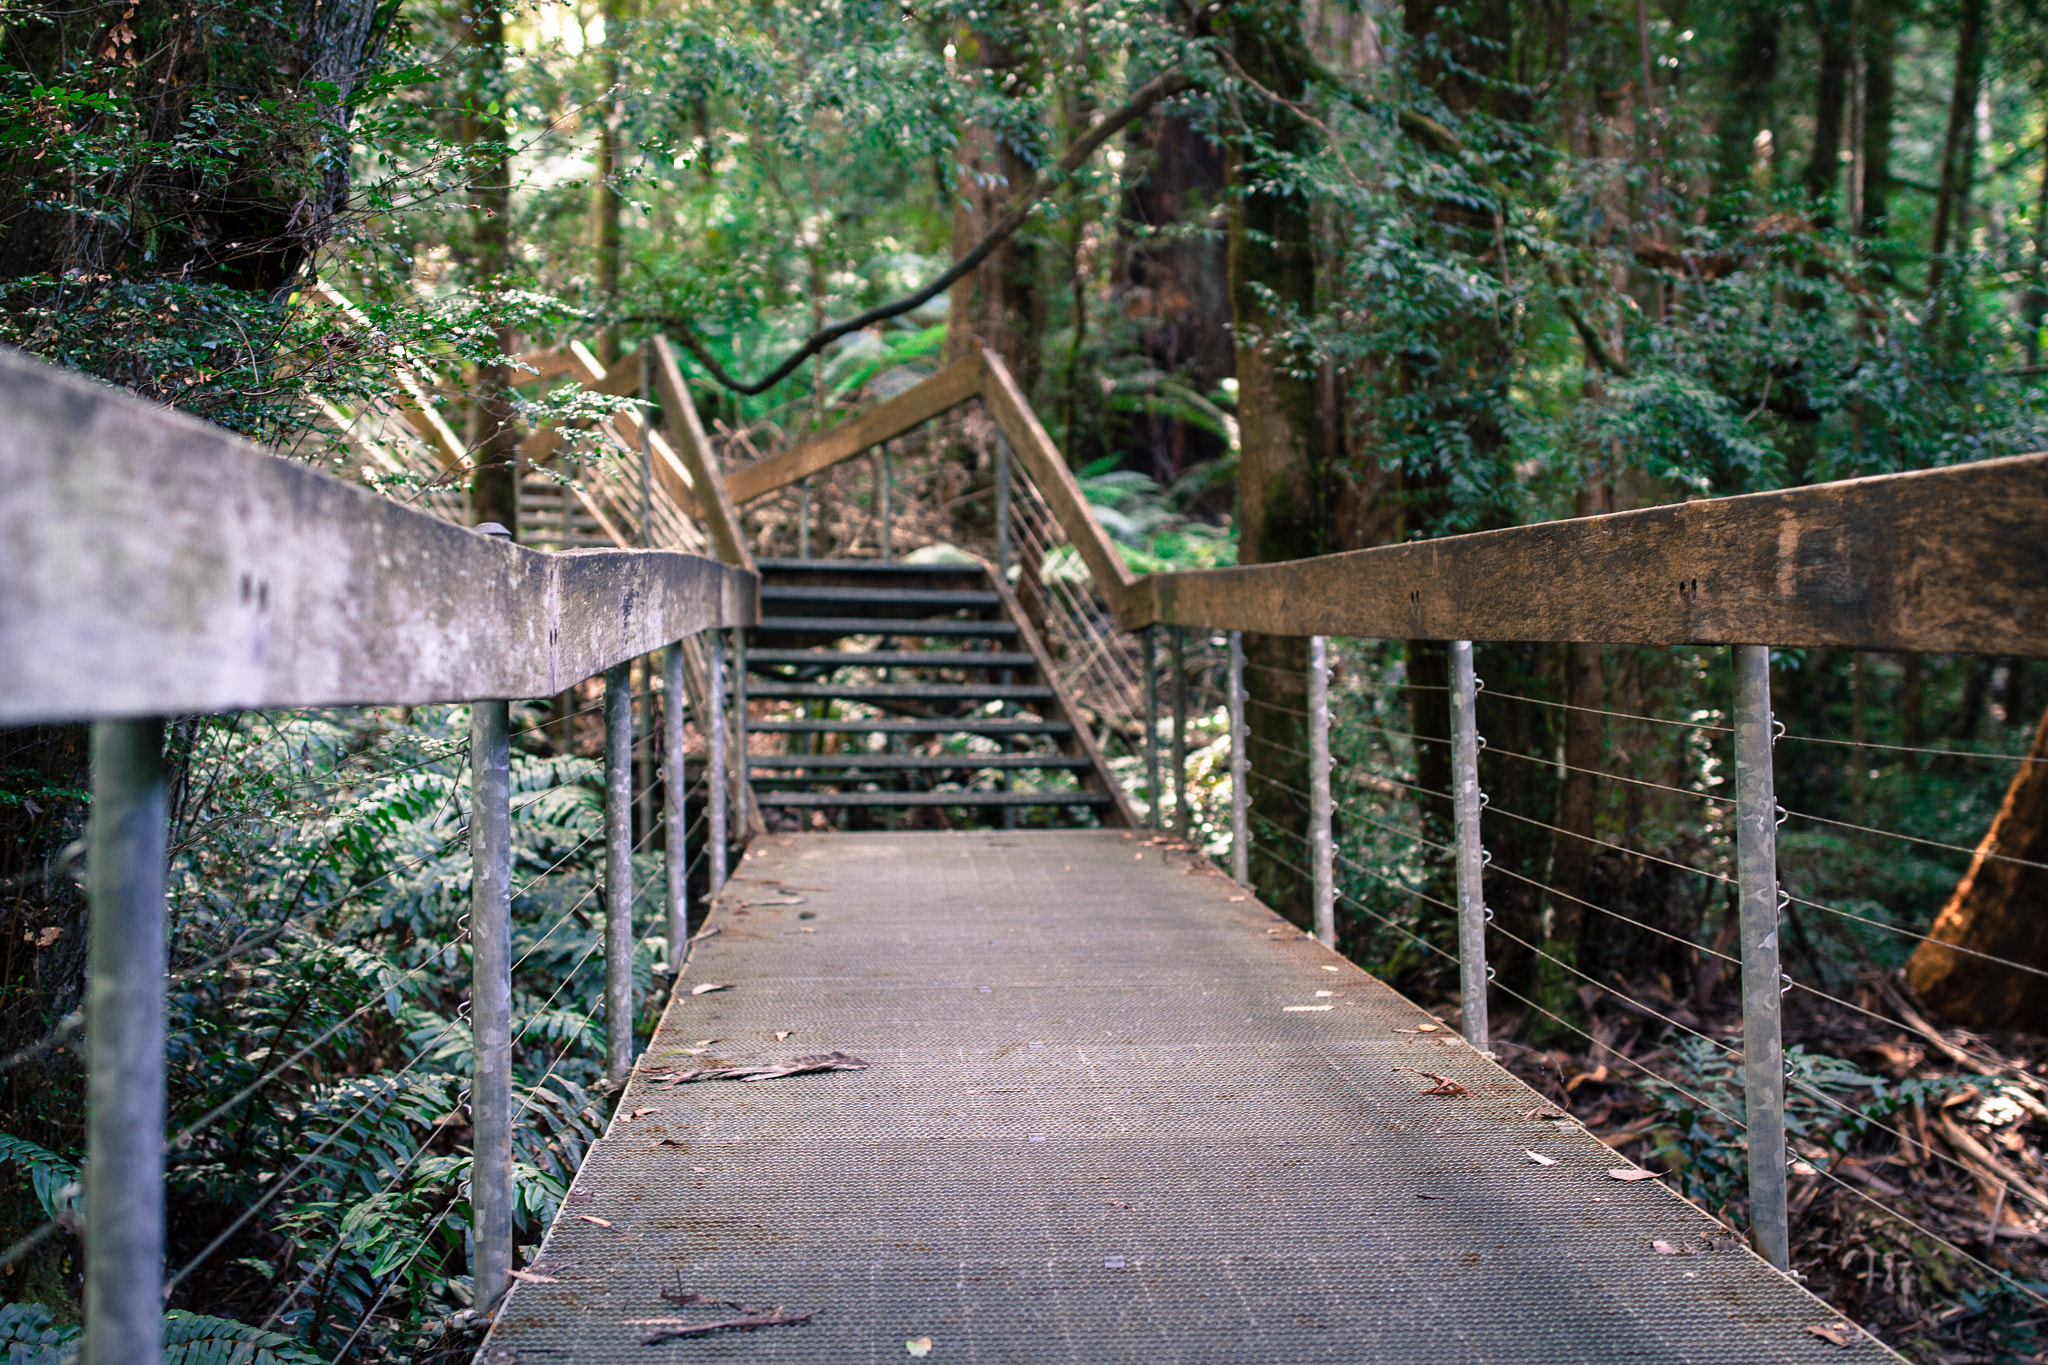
column 1836, row 38
column 1879, row 36
column 605, row 199
column 1999, row 908
column 493, row 436
column 1752, row 78
column 999, row 306
column 1272, row 274
column 1959, row 147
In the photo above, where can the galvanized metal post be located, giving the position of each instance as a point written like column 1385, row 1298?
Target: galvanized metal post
column 1183, row 822
column 714, row 740
column 676, row 790
column 124, row 1169
column 742, row 769
column 618, row 872
column 887, row 511
column 803, row 519
column 1152, row 725
column 1002, row 505
column 490, row 996
column 1322, row 851
column 1240, row 797
column 1470, row 858
column 1763, row 1049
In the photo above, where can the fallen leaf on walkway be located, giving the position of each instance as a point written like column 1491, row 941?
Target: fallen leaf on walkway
column 1539, row 1158
column 1139, row 857
column 1835, row 1333
column 1112, row 1263
column 638, row 1112
column 1545, row 1111
column 1240, row 898
column 1295, row 1009
column 593, row 1218
column 1669, row 1249
column 528, row 1277
column 795, row 1066
column 1328, row 968
column 705, row 932
column 783, row 1033
column 1116, row 1203
column 1425, row 1028
column 776, row 1318
column 918, row 1346
column 1321, row 994
column 710, row 986
column 1444, row 1084
column 668, row 1142
column 792, row 900
column 683, row 1298
column 706, row 1042
column 1633, row 1174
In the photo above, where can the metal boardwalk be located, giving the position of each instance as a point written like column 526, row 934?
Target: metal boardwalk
column 1110, row 1115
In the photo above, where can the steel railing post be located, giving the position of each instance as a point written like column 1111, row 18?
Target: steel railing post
column 1183, row 822
column 1002, row 505
column 1240, row 798
column 1469, row 856
column 1152, row 725
column 1763, row 1049
column 676, row 793
column 618, row 872
column 715, row 780
column 490, row 996
column 742, row 770
column 1322, row 850
column 124, row 1169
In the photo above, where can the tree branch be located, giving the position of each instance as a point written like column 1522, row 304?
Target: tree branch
column 1152, row 92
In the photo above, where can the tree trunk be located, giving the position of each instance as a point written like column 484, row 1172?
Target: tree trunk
column 1879, row 36
column 493, row 436
column 1271, row 272
column 604, row 186
column 1175, row 283
column 1833, row 29
column 1999, row 908
column 1752, row 77
column 1959, row 147
column 999, row 306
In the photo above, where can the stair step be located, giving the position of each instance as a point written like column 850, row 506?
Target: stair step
column 900, row 691
column 931, row 599
column 920, row 762
column 1069, row 798
column 877, row 625
column 867, row 566
column 964, row 726
column 896, row 658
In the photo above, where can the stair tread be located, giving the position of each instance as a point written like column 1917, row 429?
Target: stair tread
column 898, row 762
column 928, row 691
column 960, row 798
column 874, row 566
column 896, row 658
column 966, row 725
column 877, row 625
column 951, row 598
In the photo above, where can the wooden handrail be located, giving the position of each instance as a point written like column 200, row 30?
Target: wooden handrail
column 1056, row 484
column 1940, row 560
column 947, row 389
column 156, row 565
column 716, row 509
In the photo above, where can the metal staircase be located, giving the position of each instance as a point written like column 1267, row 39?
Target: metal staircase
column 911, row 695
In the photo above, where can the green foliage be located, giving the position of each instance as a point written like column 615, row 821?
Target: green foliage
column 27, row 1333
column 196, row 1339
column 54, row 1179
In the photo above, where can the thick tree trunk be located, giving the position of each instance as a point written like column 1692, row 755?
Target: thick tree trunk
column 1000, row 305
column 493, row 435
column 1176, row 285
column 605, row 199
column 1959, row 147
column 1272, row 272
column 2000, row 908
column 1752, row 77
column 1835, row 32
column 1879, row 36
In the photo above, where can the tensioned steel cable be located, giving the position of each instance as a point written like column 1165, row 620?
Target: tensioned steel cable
column 1924, row 938
column 1618, row 848
column 1912, row 749
column 1351, row 816
column 1615, row 914
column 1611, row 777
column 1916, row 839
column 1618, row 715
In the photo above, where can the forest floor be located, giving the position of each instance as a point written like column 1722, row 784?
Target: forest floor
column 1902, row 1174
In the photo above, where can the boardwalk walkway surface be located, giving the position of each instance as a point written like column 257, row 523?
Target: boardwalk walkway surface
column 1110, row 1115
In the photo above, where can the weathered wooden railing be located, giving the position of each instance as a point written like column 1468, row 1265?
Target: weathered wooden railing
column 1947, row 560
column 154, row 566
